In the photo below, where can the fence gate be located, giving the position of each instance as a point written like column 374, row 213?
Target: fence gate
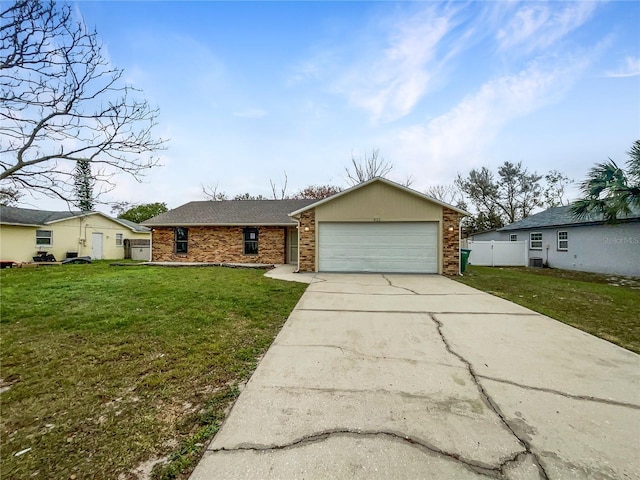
column 499, row 254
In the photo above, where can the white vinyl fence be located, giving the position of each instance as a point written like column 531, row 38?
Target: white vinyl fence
column 499, row 254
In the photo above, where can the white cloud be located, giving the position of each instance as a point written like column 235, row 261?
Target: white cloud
column 630, row 68
column 389, row 80
column 251, row 113
column 314, row 68
column 537, row 26
column 462, row 135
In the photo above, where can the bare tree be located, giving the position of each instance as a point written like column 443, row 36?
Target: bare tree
column 446, row 193
column 248, row 196
column 118, row 208
column 367, row 167
column 554, row 191
column 317, row 191
column 211, row 192
column 283, row 191
column 62, row 101
column 9, row 196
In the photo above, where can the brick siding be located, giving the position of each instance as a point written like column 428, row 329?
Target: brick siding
column 307, row 242
column 450, row 242
column 220, row 245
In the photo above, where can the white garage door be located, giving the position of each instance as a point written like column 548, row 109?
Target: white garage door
column 407, row 247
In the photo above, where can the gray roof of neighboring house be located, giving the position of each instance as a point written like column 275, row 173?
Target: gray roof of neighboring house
column 231, row 212
column 135, row 226
column 28, row 216
column 561, row 216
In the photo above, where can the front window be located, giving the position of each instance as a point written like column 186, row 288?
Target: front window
column 44, row 238
column 250, row 241
column 513, row 237
column 563, row 240
column 535, row 241
column 181, row 240
column 118, row 239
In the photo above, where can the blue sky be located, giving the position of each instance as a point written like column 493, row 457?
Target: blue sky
column 249, row 90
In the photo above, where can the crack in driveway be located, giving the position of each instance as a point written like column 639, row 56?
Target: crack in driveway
column 475, row 466
column 489, row 400
column 586, row 398
column 357, row 353
column 401, row 288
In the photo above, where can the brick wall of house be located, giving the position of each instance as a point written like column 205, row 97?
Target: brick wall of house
column 219, row 245
column 450, row 242
column 307, row 242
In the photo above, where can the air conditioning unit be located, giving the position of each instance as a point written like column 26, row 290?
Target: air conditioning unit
column 535, row 262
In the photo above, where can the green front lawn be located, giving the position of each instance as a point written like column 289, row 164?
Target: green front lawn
column 111, row 367
column 604, row 305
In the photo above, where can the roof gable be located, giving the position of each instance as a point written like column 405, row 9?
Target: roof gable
column 374, row 180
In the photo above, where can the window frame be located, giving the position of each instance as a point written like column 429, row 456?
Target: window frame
column 39, row 237
column 246, row 241
column 119, row 239
column 531, row 241
column 513, row 237
column 566, row 240
column 177, row 242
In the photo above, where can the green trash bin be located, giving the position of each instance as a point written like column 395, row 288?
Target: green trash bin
column 464, row 258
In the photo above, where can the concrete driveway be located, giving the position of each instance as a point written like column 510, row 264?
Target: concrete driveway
column 420, row 377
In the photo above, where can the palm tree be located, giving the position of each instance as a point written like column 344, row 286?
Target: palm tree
column 609, row 190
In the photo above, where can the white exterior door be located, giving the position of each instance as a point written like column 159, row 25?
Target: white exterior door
column 401, row 247
column 96, row 246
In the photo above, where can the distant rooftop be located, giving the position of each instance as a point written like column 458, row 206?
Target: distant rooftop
column 28, row 216
column 561, row 216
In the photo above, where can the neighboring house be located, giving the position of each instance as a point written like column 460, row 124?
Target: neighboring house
column 590, row 245
column 377, row 226
column 24, row 232
column 486, row 236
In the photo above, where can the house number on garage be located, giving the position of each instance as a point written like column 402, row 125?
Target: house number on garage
column 376, row 219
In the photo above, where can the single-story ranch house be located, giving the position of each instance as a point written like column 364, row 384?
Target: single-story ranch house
column 376, row 226
column 24, row 232
column 562, row 241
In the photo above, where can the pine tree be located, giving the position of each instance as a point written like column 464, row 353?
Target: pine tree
column 84, row 185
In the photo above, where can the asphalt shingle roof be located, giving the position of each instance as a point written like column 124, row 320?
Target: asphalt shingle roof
column 136, row 226
column 27, row 216
column 231, row 212
column 559, row 216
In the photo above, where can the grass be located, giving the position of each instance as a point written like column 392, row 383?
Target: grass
column 112, row 367
column 603, row 305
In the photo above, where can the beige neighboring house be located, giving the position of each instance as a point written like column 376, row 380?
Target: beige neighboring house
column 24, row 232
column 376, row 226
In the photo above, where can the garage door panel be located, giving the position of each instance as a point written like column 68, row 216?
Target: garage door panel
column 378, row 247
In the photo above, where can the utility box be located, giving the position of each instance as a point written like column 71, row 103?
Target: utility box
column 137, row 249
column 535, row 262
